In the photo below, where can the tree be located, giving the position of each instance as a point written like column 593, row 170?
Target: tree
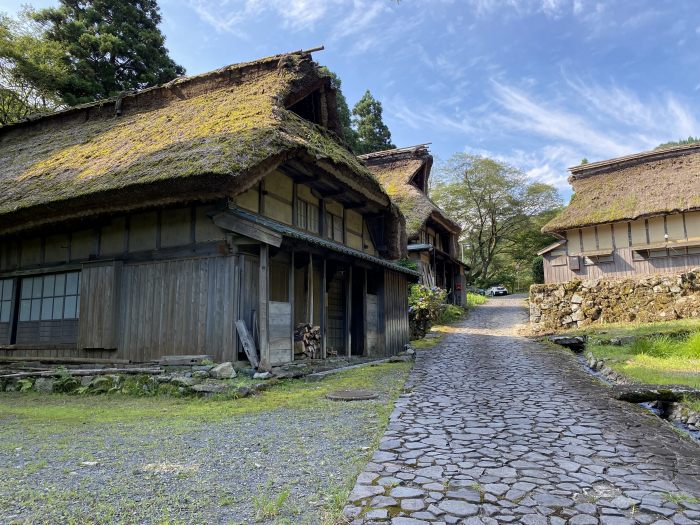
column 106, row 47
column 349, row 134
column 26, row 62
column 372, row 133
column 673, row 144
column 499, row 210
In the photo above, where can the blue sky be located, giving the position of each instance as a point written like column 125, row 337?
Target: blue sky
column 537, row 83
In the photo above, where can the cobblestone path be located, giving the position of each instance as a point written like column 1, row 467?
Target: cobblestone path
column 496, row 428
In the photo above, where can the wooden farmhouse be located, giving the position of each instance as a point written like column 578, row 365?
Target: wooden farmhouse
column 150, row 225
column 432, row 237
column 629, row 216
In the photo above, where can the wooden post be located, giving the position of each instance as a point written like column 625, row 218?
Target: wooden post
column 310, row 291
column 291, row 303
column 348, row 312
column 365, row 350
column 323, row 310
column 263, row 301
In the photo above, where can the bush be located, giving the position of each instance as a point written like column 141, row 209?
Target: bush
column 451, row 313
column 425, row 307
column 474, row 299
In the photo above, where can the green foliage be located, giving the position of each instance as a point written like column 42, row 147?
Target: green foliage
column 372, row 133
column 474, row 300
column 667, row 346
column 83, row 51
column 450, row 314
column 673, row 144
column 584, row 161
column 538, row 270
column 425, row 305
column 28, row 64
column 349, row 134
column 501, row 213
column 25, row 384
column 408, row 263
column 65, row 383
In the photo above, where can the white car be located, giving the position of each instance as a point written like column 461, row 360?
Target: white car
column 497, row 290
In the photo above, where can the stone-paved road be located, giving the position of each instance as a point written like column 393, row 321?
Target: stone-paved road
column 501, row 429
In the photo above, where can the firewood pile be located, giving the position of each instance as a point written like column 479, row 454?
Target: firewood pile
column 307, row 341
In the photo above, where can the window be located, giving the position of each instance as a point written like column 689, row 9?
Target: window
column 50, row 297
column 558, row 258
column 307, row 216
column 334, row 227
column 5, row 300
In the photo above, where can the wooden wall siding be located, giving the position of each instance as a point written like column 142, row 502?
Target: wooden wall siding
column 5, row 331
column 117, row 237
column 56, row 352
column 279, row 197
column 248, row 280
column 373, row 347
column 100, row 290
column 626, row 263
column 280, row 333
column 623, row 266
column 337, row 316
column 249, row 200
column 178, row 307
column 395, row 312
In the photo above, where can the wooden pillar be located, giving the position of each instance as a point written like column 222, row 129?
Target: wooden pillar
column 263, row 307
column 348, row 312
column 323, row 309
column 310, row 291
column 365, row 349
column 292, row 304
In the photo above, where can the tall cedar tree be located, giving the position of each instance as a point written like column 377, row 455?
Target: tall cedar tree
column 110, row 46
column 372, row 133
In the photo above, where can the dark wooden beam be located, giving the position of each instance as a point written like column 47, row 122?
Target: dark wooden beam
column 248, row 229
column 263, row 305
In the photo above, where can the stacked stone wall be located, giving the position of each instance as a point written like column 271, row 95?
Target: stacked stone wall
column 579, row 303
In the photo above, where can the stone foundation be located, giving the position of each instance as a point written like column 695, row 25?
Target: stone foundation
column 577, row 303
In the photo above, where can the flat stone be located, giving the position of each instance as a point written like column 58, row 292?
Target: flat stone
column 458, row 507
column 361, row 492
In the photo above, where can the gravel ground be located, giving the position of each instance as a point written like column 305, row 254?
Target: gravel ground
column 231, row 470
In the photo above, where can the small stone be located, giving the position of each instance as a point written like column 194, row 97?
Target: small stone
column 262, row 375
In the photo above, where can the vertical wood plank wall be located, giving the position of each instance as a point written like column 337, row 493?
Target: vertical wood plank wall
column 395, row 312
column 100, row 291
column 178, row 307
column 623, row 266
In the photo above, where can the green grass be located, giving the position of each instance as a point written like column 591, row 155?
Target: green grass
column 659, row 360
column 610, row 330
column 159, row 426
column 56, row 410
column 475, row 299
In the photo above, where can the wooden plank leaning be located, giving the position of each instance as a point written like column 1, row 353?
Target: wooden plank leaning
column 248, row 343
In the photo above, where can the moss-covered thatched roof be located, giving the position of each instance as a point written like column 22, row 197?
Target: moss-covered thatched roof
column 628, row 188
column 395, row 169
column 195, row 137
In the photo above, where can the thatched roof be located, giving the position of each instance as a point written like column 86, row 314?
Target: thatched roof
column 627, row 188
column 395, row 169
column 194, row 138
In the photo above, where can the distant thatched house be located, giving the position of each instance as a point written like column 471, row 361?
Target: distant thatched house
column 433, row 238
column 149, row 225
column 629, row 216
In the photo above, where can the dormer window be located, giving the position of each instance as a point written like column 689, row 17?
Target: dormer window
column 309, row 108
column 420, row 180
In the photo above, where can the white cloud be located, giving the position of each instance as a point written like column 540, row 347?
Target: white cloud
column 231, row 15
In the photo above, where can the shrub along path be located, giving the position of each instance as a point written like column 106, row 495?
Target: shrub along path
column 502, row 429
column 286, row 456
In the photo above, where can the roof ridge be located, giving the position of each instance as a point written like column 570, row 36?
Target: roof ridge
column 593, row 168
column 395, row 151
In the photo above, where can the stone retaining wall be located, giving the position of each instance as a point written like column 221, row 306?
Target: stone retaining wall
column 577, row 303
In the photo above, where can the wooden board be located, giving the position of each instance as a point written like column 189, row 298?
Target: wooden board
column 247, row 342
